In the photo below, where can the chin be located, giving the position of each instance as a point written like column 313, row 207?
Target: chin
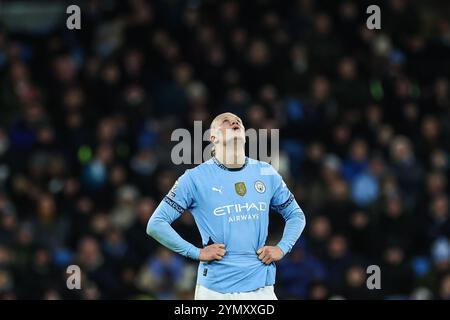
column 236, row 139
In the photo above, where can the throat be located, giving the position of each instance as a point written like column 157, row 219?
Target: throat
column 235, row 162
column 231, row 155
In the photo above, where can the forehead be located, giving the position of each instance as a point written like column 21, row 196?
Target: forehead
column 224, row 116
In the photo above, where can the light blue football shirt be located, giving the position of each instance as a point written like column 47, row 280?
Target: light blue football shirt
column 230, row 206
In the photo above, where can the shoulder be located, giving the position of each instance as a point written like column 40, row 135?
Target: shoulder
column 198, row 170
column 260, row 163
column 264, row 167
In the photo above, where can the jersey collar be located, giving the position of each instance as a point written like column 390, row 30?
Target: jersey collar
column 222, row 166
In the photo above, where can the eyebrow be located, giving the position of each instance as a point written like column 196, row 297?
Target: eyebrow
column 227, row 118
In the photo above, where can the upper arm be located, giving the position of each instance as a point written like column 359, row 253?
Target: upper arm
column 182, row 191
column 179, row 198
column 281, row 197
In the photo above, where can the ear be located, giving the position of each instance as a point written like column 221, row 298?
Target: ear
column 213, row 136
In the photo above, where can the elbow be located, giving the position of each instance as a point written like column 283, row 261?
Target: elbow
column 151, row 228
column 302, row 218
column 299, row 219
column 297, row 215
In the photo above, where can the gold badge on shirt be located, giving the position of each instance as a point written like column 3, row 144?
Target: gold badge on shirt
column 240, row 188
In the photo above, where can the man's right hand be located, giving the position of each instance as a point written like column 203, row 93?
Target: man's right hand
column 212, row 252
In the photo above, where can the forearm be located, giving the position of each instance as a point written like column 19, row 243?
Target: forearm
column 160, row 229
column 295, row 224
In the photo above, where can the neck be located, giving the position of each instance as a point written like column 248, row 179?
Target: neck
column 231, row 156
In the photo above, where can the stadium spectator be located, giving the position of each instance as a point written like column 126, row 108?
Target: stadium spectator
column 86, row 119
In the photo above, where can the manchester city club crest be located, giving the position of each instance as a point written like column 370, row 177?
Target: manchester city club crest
column 260, row 186
column 240, row 188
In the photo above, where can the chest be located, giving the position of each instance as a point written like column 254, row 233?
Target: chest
column 235, row 193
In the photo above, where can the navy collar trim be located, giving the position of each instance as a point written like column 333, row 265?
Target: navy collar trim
column 222, row 166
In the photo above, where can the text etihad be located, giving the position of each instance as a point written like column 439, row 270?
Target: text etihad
column 238, row 207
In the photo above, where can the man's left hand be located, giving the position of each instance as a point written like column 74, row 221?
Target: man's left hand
column 269, row 254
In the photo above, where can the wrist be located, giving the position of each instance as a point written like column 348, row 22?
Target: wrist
column 282, row 249
column 194, row 253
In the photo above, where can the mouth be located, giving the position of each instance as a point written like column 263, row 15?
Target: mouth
column 236, row 128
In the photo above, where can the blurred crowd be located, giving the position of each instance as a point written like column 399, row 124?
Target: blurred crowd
column 364, row 117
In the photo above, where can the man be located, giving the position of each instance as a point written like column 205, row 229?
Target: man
column 229, row 197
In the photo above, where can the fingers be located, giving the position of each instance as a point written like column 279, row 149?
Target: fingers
column 219, row 251
column 261, row 250
column 267, row 260
column 219, row 254
column 216, row 251
column 265, row 255
column 262, row 253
